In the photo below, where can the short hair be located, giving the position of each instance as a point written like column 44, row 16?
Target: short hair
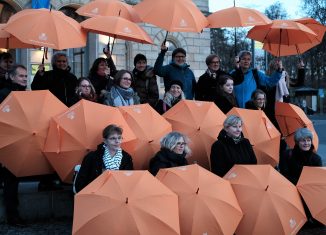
column 118, row 77
column 222, row 79
column 13, row 70
column 56, row 56
column 5, row 56
column 257, row 92
column 93, row 70
column 302, row 133
column 210, row 58
column 244, row 53
column 231, row 121
column 170, row 140
column 111, row 129
column 178, row 50
column 139, row 57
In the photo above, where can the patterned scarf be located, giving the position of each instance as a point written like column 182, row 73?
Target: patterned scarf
column 112, row 162
column 121, row 96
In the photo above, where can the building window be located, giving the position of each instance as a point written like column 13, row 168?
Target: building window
column 5, row 12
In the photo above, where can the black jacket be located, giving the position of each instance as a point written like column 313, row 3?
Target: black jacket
column 225, row 102
column 60, row 83
column 225, row 153
column 166, row 158
column 293, row 160
column 93, row 165
column 9, row 87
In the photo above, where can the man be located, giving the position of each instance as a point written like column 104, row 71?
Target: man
column 178, row 69
column 6, row 63
column 246, row 78
column 59, row 81
column 18, row 82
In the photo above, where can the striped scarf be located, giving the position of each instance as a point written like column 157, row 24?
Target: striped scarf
column 112, row 162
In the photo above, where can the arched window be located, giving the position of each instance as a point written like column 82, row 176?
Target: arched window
column 6, row 11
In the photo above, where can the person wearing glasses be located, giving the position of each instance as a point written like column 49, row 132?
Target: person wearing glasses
column 121, row 93
column 85, row 90
column 107, row 156
column 173, row 152
column 207, row 85
column 258, row 100
column 231, row 147
column 178, row 69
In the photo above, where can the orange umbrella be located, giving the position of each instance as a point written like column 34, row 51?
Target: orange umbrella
column 78, row 130
column 261, row 133
column 291, row 117
column 287, row 50
column 201, row 122
column 270, row 203
column 149, row 127
column 207, row 203
column 314, row 25
column 126, row 202
column 24, row 122
column 8, row 41
column 172, row 15
column 109, row 8
column 312, row 187
column 46, row 28
column 237, row 17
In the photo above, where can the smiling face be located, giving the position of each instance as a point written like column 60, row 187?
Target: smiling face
column 180, row 146
column 85, row 88
column 20, row 77
column 175, row 90
column 179, row 58
column 125, row 81
column 228, row 86
column 103, row 69
column 245, row 62
column 260, row 101
column 234, row 131
column 141, row 65
column 214, row 65
column 305, row 144
column 61, row 62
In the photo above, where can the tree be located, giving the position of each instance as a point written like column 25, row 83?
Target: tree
column 276, row 11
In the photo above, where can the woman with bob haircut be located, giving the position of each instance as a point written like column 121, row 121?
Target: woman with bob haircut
column 231, row 147
column 173, row 152
column 258, row 100
column 107, row 156
column 225, row 98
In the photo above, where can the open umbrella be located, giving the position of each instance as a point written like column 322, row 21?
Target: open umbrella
column 270, row 203
column 312, row 187
column 24, row 122
column 149, row 127
column 46, row 28
column 261, row 133
column 9, row 41
column 77, row 131
column 201, row 122
column 291, row 117
column 109, row 8
column 207, row 203
column 314, row 25
column 124, row 203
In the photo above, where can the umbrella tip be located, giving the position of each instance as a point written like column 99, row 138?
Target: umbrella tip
column 197, row 190
column 126, row 200
column 150, row 141
column 266, row 188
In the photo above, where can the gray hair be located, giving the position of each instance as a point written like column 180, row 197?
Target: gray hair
column 244, row 53
column 56, row 56
column 301, row 134
column 13, row 70
column 170, row 140
column 231, row 121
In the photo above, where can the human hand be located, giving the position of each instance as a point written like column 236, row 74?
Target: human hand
column 237, row 62
column 41, row 69
column 278, row 64
column 107, row 52
column 164, row 48
column 107, row 71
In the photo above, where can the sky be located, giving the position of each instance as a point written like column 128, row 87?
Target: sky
column 292, row 7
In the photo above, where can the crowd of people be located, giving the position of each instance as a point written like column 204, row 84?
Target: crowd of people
column 243, row 87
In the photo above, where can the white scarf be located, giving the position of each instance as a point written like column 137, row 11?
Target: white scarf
column 112, row 162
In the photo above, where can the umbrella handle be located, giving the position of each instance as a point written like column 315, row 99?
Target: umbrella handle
column 166, row 35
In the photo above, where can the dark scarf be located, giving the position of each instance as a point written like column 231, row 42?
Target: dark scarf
column 179, row 159
column 302, row 157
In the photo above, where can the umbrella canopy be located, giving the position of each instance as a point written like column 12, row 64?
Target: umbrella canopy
column 291, row 117
column 10, row 42
column 46, row 28
column 314, row 25
column 126, row 202
column 207, row 203
column 172, row 15
column 75, row 132
column 109, row 8
column 149, row 127
column 270, row 203
column 24, row 122
column 201, row 122
column 117, row 27
column 261, row 133
column 312, row 187
column 237, row 17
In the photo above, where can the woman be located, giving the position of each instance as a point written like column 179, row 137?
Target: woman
column 108, row 156
column 258, row 100
column 231, row 147
column 121, row 93
column 293, row 160
column 171, row 97
column 85, row 90
column 173, row 152
column 225, row 98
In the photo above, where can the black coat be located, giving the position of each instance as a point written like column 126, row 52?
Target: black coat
column 60, row 83
column 293, row 160
column 166, row 158
column 93, row 165
column 224, row 103
column 9, row 87
column 225, row 153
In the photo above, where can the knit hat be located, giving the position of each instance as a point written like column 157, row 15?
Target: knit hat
column 178, row 50
column 175, row 82
column 139, row 57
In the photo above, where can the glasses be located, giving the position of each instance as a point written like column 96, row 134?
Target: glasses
column 115, row 138
column 86, row 86
column 180, row 56
column 127, row 79
column 215, row 62
column 181, row 143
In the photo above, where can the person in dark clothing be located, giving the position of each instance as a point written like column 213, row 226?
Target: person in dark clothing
column 108, row 156
column 225, row 98
column 258, row 100
column 207, row 84
column 85, row 90
column 173, row 152
column 231, row 147
column 59, row 81
column 18, row 82
column 145, row 83
column 6, row 63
